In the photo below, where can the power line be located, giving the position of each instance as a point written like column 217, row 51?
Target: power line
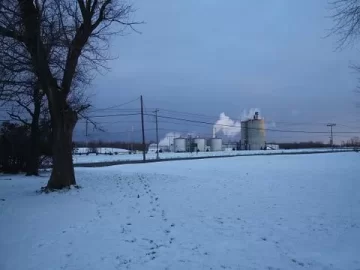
column 117, row 106
column 112, row 115
column 190, row 114
column 267, row 120
column 121, row 132
column 268, row 129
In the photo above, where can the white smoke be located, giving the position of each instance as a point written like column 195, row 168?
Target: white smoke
column 231, row 128
column 227, row 126
column 247, row 115
column 169, row 138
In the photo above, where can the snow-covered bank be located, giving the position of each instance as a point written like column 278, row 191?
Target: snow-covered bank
column 283, row 212
column 92, row 158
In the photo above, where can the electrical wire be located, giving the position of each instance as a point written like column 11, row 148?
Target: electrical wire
column 116, row 106
column 267, row 129
column 112, row 115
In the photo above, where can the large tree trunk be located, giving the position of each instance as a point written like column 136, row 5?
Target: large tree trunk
column 63, row 124
column 33, row 159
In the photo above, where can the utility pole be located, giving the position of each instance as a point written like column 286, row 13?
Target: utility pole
column 132, row 138
column 142, row 128
column 157, row 134
column 129, row 142
column 331, row 134
column 86, row 131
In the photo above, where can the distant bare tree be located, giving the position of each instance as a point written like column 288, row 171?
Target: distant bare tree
column 81, row 30
column 346, row 16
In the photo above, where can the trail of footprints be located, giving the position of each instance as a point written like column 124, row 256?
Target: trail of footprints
column 154, row 211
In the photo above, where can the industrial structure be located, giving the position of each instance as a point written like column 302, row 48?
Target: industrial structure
column 252, row 138
column 253, row 134
column 200, row 144
column 180, row 145
column 190, row 144
column 215, row 144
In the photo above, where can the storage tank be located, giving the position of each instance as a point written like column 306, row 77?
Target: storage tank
column 201, row 144
column 215, row 144
column 256, row 134
column 244, row 136
column 253, row 134
column 179, row 145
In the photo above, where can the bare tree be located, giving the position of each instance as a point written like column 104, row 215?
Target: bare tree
column 82, row 30
column 20, row 88
column 346, row 16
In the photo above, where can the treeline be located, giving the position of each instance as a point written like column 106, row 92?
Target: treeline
column 15, row 147
column 353, row 142
column 303, row 145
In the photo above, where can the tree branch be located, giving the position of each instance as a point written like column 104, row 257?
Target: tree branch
column 18, row 118
column 11, row 34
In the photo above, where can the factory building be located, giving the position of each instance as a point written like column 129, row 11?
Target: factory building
column 253, row 134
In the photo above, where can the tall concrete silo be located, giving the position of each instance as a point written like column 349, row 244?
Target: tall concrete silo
column 253, row 134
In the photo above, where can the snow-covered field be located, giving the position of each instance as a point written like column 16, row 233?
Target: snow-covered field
column 261, row 212
column 92, row 158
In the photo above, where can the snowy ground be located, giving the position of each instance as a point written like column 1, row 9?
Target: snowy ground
column 93, row 158
column 275, row 212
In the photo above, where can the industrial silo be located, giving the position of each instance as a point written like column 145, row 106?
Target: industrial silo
column 215, row 144
column 253, row 134
column 200, row 144
column 244, row 135
column 179, row 145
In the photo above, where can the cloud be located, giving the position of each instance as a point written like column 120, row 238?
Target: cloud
column 227, row 126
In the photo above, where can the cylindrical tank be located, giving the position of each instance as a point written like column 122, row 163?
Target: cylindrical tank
column 256, row 134
column 200, row 144
column 180, row 145
column 244, row 135
column 216, row 144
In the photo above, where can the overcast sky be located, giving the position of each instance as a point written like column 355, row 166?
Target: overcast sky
column 212, row 56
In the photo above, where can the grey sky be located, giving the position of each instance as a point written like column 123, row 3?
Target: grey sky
column 210, row 56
